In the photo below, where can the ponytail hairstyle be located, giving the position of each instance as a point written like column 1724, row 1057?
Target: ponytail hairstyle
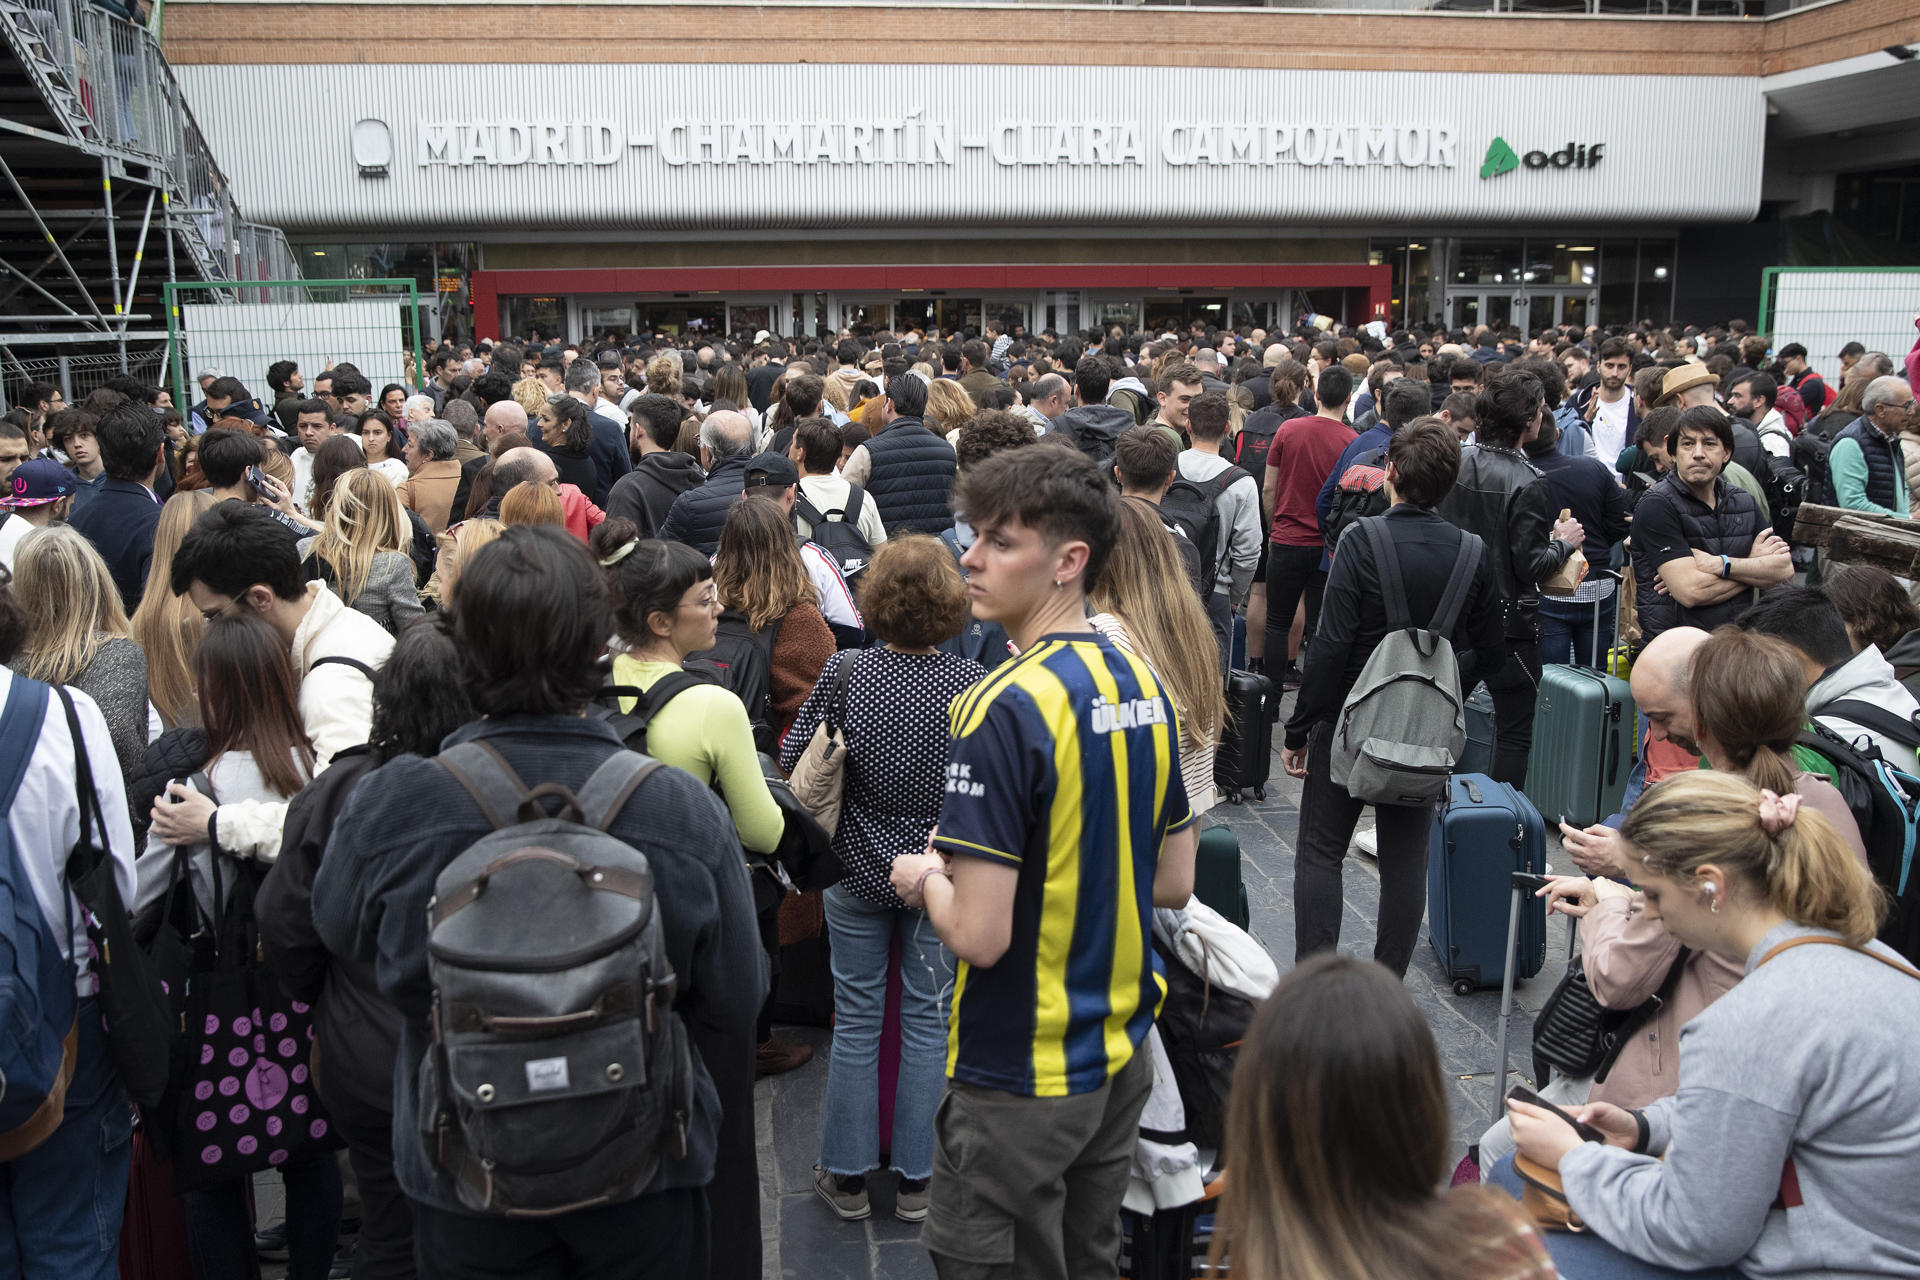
column 1749, row 697
column 1805, row 869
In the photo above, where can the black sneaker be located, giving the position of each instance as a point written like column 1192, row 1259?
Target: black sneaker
column 1290, row 678
column 270, row 1243
column 342, row 1268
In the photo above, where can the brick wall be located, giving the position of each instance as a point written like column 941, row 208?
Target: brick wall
column 241, row 33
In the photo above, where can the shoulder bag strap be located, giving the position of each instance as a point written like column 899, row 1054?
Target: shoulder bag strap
column 1790, row 943
column 855, row 497
column 804, row 508
column 1465, row 562
column 661, row 692
column 1226, row 480
column 604, row 794
column 92, row 820
column 1386, row 567
column 1870, row 715
column 342, row 660
column 837, row 696
column 489, row 779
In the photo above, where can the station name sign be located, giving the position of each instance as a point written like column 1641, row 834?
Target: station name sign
column 913, row 141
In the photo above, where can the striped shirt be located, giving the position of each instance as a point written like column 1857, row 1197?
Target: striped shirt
column 1065, row 766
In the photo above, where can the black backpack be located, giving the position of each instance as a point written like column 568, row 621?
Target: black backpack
column 559, row 1076
column 1810, row 450
column 837, row 532
column 805, row 848
column 1201, row 1027
column 1360, row 492
column 742, row 658
column 1192, row 507
column 1885, row 804
column 1786, row 488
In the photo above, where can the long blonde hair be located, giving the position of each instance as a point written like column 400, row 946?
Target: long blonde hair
column 1144, row 585
column 167, row 626
column 1806, row 871
column 71, row 603
column 949, row 405
column 757, row 568
column 364, row 519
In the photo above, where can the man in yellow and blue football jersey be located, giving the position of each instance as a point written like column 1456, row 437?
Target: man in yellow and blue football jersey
column 1065, row 823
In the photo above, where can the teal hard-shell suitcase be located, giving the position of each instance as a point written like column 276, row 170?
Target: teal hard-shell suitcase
column 1582, row 745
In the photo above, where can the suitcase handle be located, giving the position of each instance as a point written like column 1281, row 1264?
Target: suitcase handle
column 1473, row 792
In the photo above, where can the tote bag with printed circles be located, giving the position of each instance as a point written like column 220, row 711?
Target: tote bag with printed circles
column 244, row 1097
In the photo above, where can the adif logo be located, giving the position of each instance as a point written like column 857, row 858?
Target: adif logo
column 1501, row 158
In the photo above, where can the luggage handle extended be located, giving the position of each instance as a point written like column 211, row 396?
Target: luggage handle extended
column 1605, row 665
column 1523, row 882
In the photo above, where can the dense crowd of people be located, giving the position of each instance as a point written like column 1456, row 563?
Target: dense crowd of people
column 447, row 775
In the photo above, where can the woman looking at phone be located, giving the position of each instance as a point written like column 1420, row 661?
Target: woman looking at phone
column 1792, row 1148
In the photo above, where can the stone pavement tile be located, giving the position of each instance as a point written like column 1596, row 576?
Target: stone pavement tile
column 797, row 1099
column 817, row 1245
column 902, row 1260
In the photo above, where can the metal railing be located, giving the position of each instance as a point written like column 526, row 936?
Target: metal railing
column 131, row 104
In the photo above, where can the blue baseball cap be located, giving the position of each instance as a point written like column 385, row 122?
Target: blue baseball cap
column 39, row 481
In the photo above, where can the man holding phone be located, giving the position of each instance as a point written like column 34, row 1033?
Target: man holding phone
column 231, row 460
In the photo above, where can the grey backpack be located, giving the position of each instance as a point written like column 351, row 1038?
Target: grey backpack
column 559, row 1075
column 1404, row 725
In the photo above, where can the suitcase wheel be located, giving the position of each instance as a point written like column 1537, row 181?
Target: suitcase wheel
column 1260, row 793
column 1233, row 796
column 1463, row 986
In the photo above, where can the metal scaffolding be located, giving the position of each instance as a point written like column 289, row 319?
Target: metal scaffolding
column 98, row 155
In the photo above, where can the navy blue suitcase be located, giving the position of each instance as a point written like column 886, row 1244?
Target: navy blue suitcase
column 1484, row 831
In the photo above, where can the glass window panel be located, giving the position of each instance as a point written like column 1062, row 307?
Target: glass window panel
column 1496, row 262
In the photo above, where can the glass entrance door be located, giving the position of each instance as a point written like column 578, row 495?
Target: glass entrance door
column 1493, row 309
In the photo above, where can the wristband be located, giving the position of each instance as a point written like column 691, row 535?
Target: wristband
column 920, row 885
column 1641, row 1139
column 1726, row 567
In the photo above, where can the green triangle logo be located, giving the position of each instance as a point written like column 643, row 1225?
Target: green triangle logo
column 1500, row 159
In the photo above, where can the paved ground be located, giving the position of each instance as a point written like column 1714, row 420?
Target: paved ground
column 805, row 1241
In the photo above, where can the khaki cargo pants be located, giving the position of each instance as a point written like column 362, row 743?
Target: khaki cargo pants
column 1031, row 1187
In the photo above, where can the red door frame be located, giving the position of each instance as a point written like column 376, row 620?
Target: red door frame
column 488, row 287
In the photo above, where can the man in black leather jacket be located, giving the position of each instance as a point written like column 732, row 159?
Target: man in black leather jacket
column 1504, row 498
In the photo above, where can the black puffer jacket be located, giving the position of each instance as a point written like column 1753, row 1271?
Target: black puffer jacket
column 698, row 515
column 177, row 753
column 356, row 1033
column 1504, row 498
column 1093, row 428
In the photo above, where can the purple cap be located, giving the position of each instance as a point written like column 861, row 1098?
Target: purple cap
column 38, row 482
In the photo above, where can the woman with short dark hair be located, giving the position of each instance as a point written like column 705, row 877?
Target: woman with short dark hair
column 891, row 704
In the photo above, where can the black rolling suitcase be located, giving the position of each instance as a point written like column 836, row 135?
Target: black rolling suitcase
column 1245, row 757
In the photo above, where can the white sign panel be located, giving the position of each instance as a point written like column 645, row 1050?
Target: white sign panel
column 1825, row 310
column 392, row 149
column 243, row 341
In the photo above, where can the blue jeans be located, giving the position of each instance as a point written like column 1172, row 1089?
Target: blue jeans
column 1585, row 1256
column 1566, row 628
column 61, row 1203
column 860, row 933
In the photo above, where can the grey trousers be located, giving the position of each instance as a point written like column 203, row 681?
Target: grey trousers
column 1031, row 1187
